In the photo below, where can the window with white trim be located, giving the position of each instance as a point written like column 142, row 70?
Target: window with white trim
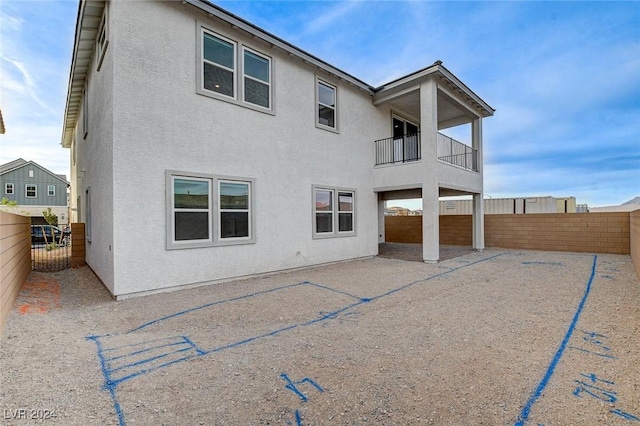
column 192, row 207
column 51, row 190
column 85, row 113
column 257, row 78
column 234, row 201
column 87, row 209
column 30, row 190
column 234, row 73
column 219, row 64
column 326, row 105
column 334, row 212
column 8, row 188
column 102, row 39
column 206, row 210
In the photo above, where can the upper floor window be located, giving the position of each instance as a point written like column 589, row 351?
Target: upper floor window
column 51, row 190
column 102, row 39
column 30, row 173
column 30, row 191
column 235, row 73
column 326, row 105
column 257, row 79
column 219, row 62
column 8, row 188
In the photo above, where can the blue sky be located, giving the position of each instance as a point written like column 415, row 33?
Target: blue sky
column 564, row 78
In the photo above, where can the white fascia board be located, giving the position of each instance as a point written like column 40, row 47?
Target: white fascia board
column 384, row 92
column 80, row 65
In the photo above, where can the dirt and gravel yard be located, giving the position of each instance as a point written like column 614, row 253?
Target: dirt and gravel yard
column 493, row 338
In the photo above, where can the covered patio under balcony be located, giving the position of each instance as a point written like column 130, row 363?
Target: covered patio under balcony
column 419, row 160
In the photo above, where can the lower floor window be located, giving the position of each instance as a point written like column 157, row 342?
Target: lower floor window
column 207, row 210
column 334, row 212
column 235, row 209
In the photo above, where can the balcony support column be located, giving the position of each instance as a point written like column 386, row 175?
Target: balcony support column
column 478, row 199
column 430, row 187
column 478, row 222
column 381, row 224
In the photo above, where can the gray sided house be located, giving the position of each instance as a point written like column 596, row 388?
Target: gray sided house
column 35, row 188
column 217, row 150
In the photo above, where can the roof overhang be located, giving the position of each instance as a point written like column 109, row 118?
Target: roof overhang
column 457, row 104
column 87, row 25
column 240, row 24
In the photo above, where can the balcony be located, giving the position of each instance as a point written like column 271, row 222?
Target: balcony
column 456, row 153
column 407, row 149
column 398, row 149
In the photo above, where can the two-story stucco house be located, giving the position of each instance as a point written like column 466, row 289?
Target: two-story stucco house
column 204, row 148
column 35, row 189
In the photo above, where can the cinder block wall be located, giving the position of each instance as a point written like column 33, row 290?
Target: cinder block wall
column 577, row 232
column 456, row 230
column 15, row 259
column 634, row 225
column 403, row 229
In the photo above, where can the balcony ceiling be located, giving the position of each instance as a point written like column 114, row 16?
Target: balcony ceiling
column 450, row 112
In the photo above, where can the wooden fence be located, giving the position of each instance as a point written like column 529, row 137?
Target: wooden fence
column 15, row 259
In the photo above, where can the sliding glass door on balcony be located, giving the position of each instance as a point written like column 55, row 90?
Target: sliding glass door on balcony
column 405, row 140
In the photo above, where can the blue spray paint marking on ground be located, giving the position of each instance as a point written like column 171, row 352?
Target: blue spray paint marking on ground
column 543, row 263
column 298, row 418
column 591, row 352
column 624, row 415
column 291, row 385
column 218, row 302
column 150, row 365
column 363, row 299
column 526, row 410
column 108, row 384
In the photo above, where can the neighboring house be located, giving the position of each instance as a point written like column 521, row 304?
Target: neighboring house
column 216, row 150
column 35, row 188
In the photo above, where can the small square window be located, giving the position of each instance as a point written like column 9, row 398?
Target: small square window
column 8, row 188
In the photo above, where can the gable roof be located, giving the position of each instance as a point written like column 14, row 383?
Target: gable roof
column 19, row 163
column 89, row 17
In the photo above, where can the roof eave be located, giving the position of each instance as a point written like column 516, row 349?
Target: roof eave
column 78, row 75
column 439, row 70
column 248, row 27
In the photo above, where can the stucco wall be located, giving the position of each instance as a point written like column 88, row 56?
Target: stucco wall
column 634, row 224
column 577, row 232
column 160, row 123
column 92, row 163
column 15, row 259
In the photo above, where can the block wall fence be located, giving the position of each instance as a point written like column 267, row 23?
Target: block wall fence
column 576, row 232
column 634, row 219
column 15, row 259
